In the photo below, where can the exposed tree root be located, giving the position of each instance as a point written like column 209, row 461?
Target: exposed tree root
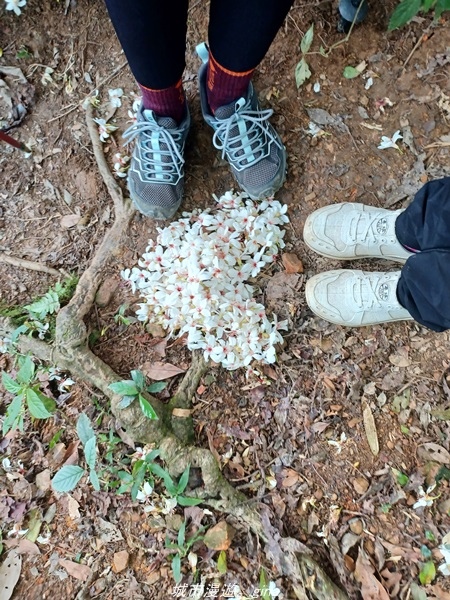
column 173, row 431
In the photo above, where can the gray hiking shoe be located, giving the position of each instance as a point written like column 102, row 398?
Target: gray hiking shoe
column 355, row 298
column 156, row 174
column 243, row 133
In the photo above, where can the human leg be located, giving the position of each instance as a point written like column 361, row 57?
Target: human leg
column 425, row 224
column 240, row 34
column 153, row 36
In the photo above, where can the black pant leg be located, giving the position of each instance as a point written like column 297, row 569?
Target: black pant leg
column 153, row 37
column 425, row 224
column 424, row 288
column 241, row 31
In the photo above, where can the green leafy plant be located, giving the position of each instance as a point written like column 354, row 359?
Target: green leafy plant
column 407, row 9
column 67, row 478
column 181, row 548
column 133, row 389
column 40, row 316
column 121, row 318
column 27, row 395
column 302, row 70
column 141, row 471
column 175, row 489
column 23, row 52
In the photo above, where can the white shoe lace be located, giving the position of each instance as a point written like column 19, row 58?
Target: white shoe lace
column 368, row 233
column 153, row 139
column 368, row 290
column 247, row 146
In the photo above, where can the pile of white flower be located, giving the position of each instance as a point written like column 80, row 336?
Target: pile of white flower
column 195, row 279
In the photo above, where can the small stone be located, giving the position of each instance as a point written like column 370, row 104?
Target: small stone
column 292, row 263
column 356, row 526
column 120, row 561
column 361, row 485
column 106, row 291
column 219, row 537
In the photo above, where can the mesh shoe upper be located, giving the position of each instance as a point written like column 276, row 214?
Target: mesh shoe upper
column 249, row 142
column 156, row 174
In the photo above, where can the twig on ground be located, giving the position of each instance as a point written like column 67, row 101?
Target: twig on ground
column 421, row 39
column 28, row 264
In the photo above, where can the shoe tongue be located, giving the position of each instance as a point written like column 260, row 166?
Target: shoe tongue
column 166, row 122
column 225, row 112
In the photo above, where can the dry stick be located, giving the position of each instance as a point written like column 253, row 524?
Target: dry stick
column 422, row 38
column 27, row 264
column 71, row 353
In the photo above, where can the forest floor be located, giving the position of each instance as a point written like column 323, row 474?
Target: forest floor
column 298, row 444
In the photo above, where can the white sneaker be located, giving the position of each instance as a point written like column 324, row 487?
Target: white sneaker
column 352, row 230
column 355, row 298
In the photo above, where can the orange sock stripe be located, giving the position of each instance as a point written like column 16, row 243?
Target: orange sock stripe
column 178, row 85
column 217, row 65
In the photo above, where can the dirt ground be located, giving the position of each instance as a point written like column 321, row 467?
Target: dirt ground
column 299, row 445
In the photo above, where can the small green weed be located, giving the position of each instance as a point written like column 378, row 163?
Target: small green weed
column 27, row 395
column 181, row 548
column 132, row 389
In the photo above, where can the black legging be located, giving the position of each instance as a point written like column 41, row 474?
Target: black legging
column 424, row 285
column 153, row 35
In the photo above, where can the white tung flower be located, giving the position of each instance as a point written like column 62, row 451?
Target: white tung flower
column 196, row 279
column 121, row 164
column 424, row 497
column 104, row 129
column 387, row 142
column 145, row 492
column 444, row 549
column 338, row 445
column 274, row 591
column 115, row 97
column 15, row 5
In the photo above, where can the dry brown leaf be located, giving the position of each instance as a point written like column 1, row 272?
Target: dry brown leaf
column 361, row 485
column 22, row 546
column 371, row 588
column 400, row 358
column 438, row 592
column 120, row 561
column 433, row 452
column 9, row 574
column 159, row 371
column 370, row 428
column 292, row 263
column 81, row 572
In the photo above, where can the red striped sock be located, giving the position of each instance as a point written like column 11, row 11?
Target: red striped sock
column 169, row 102
column 224, row 86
